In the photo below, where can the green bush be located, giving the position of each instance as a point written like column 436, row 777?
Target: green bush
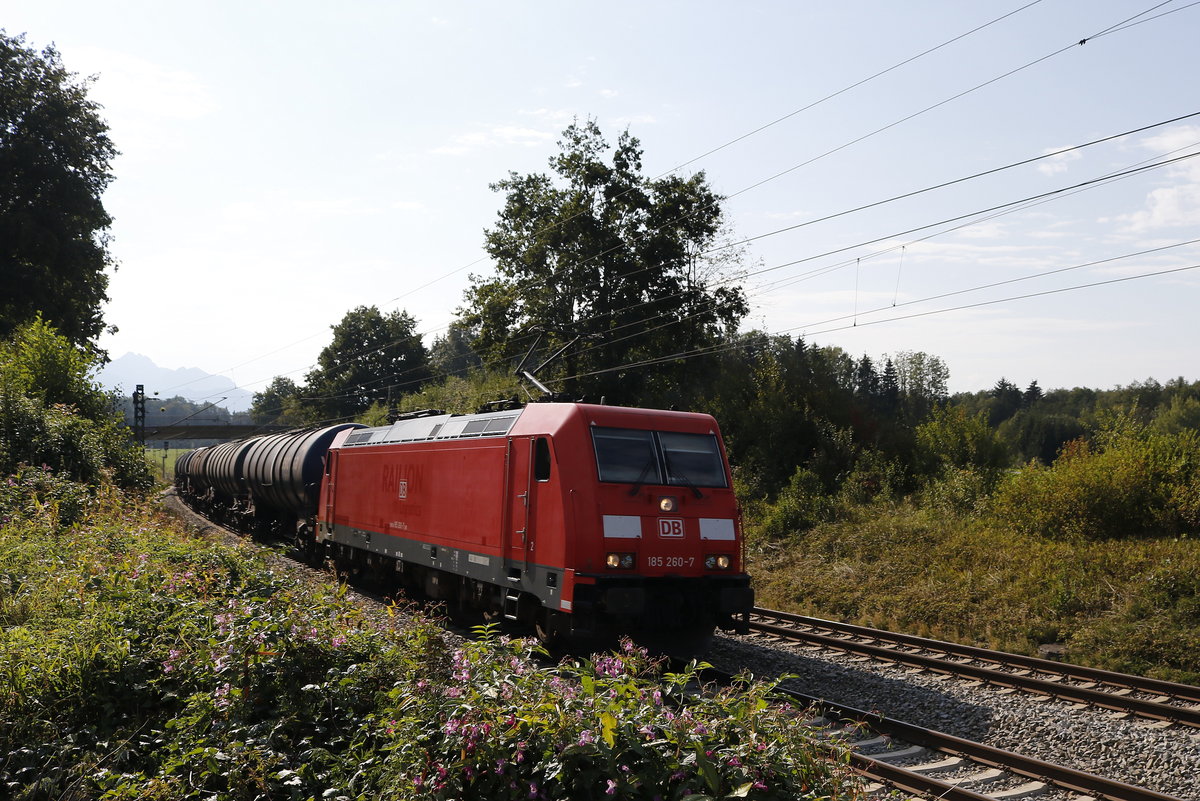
column 802, row 504
column 1134, row 481
column 52, row 414
column 36, row 493
column 952, row 440
column 959, row 491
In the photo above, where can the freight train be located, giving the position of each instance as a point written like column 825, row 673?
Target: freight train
column 584, row 522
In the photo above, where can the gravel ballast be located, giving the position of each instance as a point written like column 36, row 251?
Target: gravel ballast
column 1139, row 752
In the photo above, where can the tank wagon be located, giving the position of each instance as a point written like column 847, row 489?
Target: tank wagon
column 584, row 521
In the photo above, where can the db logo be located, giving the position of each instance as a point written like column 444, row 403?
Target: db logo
column 403, row 489
column 670, row 527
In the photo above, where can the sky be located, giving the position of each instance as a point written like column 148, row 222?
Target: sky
column 284, row 163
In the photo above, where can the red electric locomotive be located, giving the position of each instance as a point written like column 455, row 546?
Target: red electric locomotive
column 584, row 521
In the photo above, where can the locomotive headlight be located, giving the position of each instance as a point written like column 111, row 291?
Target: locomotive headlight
column 619, row 561
column 717, row 561
column 667, row 503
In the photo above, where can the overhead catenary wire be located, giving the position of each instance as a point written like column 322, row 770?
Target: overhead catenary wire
column 1129, row 22
column 1123, row 25
column 694, row 159
column 1043, row 197
column 720, row 347
column 725, row 347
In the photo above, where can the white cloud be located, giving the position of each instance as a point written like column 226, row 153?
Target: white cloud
column 1174, row 206
column 985, row 230
column 1172, row 139
column 1167, row 207
column 1057, row 164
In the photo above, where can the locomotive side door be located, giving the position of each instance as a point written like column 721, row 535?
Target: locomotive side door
column 325, row 509
column 518, row 534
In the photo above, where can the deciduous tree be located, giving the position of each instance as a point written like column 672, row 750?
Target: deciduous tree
column 599, row 251
column 373, row 357
column 55, row 154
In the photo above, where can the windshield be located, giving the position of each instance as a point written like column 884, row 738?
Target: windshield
column 626, row 456
column 631, row 456
column 692, row 459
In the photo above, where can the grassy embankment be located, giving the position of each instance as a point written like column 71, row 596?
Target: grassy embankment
column 1132, row 605
column 139, row 661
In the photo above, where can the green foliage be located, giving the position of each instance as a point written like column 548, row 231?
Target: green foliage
column 873, row 478
column 1119, row 604
column 53, row 415
column 1182, row 414
column 1034, row 434
column 281, row 402
column 452, row 355
column 600, row 251
column 55, row 155
column 962, row 491
column 38, row 494
column 921, row 382
column 615, row 727
column 951, row 440
column 464, row 394
column 1133, row 481
column 802, row 504
column 372, row 357
column 42, row 364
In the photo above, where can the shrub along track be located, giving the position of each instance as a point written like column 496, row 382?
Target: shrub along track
column 1136, row 695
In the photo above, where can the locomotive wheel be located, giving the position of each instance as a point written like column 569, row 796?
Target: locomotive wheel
column 549, row 630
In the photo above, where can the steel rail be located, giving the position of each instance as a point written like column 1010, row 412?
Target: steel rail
column 1084, row 695
column 1183, row 692
column 911, row 781
column 1058, row 775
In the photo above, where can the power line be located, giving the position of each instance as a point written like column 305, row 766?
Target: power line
column 1129, row 22
column 740, row 138
column 728, row 347
column 972, row 217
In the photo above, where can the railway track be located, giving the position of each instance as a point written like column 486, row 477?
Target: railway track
column 1134, row 695
column 896, row 756
column 937, row 765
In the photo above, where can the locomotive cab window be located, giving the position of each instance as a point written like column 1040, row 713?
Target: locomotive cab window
column 692, row 459
column 541, row 459
column 626, row 456
column 644, row 457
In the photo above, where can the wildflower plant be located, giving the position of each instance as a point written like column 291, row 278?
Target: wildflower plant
column 615, row 726
column 137, row 661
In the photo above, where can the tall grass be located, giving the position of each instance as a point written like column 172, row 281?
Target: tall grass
column 1131, row 605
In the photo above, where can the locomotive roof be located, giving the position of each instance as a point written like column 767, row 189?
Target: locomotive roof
column 438, row 427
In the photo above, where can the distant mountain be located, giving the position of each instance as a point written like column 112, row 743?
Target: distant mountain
column 127, row 372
